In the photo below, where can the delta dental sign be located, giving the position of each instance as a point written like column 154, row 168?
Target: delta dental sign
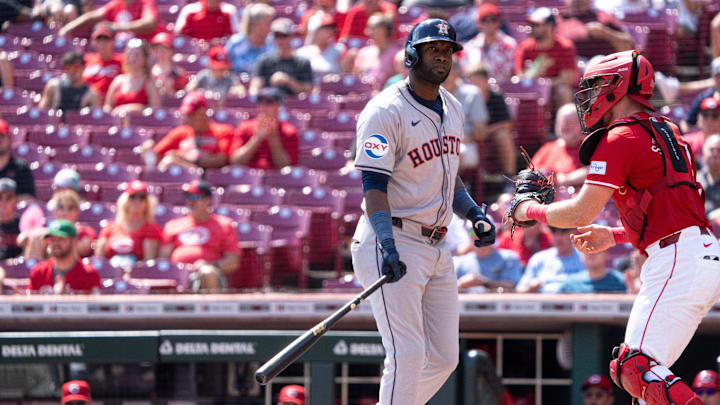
column 42, row 351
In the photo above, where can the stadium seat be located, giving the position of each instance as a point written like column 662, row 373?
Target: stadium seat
column 160, row 275
column 342, row 140
column 335, row 123
column 345, row 84
column 45, row 171
column 190, row 63
column 310, row 103
column 292, row 177
column 118, row 137
column 120, row 286
column 34, row 30
column 165, row 213
column 17, row 273
column 84, row 156
column 352, row 210
column 12, row 99
column 112, row 173
column 187, row 45
column 323, row 159
column 353, row 102
column 660, row 24
column 311, row 139
column 343, row 178
column 301, row 120
column 158, row 118
column 236, row 103
column 58, row 136
column 103, row 267
column 406, row 15
column 234, row 175
column 28, row 61
column 18, row 135
column 92, row 117
column 227, row 116
column 251, row 197
column 346, row 283
column 130, row 156
column 172, row 175
column 534, row 100
column 35, row 81
column 97, row 212
column 255, row 272
column 32, row 117
column 32, row 152
column 10, row 43
column 238, row 214
column 57, row 46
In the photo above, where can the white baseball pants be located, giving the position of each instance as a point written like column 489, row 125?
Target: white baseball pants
column 417, row 317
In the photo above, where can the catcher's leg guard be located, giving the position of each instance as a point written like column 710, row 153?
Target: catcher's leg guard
column 642, row 377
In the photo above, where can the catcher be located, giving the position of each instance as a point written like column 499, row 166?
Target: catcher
column 642, row 162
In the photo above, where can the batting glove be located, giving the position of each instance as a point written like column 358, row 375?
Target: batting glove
column 482, row 226
column 391, row 264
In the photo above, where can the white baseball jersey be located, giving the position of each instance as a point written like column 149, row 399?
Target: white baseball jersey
column 399, row 137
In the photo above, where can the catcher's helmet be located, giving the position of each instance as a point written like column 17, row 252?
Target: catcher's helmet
column 430, row 30
column 608, row 80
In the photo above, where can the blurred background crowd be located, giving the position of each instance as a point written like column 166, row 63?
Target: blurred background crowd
column 157, row 145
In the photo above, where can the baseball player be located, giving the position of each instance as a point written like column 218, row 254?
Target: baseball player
column 408, row 149
column 642, row 162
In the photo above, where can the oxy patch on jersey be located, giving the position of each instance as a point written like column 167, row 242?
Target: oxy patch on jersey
column 376, row 146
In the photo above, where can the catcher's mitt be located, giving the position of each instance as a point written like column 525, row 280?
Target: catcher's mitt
column 530, row 184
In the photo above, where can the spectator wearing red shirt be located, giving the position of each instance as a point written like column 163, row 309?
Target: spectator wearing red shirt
column 168, row 77
column 133, row 235
column 315, row 16
column 561, row 156
column 102, row 67
column 526, row 241
column 137, row 17
column 546, row 54
column 206, row 241
column 64, row 272
column 134, row 90
column 357, row 17
column 265, row 142
column 207, row 19
column 708, row 124
column 198, row 143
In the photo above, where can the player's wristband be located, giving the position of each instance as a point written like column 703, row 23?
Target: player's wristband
column 382, row 224
column 619, row 235
column 537, row 212
column 462, row 202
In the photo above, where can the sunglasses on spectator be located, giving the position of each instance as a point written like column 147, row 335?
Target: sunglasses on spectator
column 711, row 114
column 705, row 391
column 138, row 196
column 73, row 66
column 75, row 403
column 489, row 19
column 67, row 207
column 594, row 394
column 102, row 38
column 193, row 197
column 559, row 230
column 267, row 100
column 281, row 35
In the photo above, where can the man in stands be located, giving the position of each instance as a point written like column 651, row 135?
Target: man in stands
column 597, row 390
column 546, row 54
column 15, row 168
column 9, row 220
column 216, row 77
column 102, row 67
column 597, row 279
column 561, row 155
column 76, row 392
column 206, row 241
column 69, row 92
column 707, row 387
column 357, row 17
column 265, row 142
column 208, row 20
column 708, row 124
column 253, row 40
column 492, row 47
column 137, row 17
column 64, row 272
column 548, row 269
column 709, row 176
column 283, row 68
column 292, row 395
column 489, row 268
column 200, row 142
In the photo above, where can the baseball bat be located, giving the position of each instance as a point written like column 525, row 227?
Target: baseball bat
column 291, row 352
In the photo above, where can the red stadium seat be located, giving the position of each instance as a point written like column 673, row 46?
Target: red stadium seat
column 10, row 43
column 130, row 156
column 28, row 61
column 187, row 45
column 120, row 286
column 345, row 84
column 344, row 178
column 11, row 100
column 17, row 273
column 32, row 117
column 118, row 137
column 32, row 152
column 172, row 175
column 44, row 171
column 229, row 117
column 103, row 267
column 160, row 275
column 234, row 175
column 34, row 29
column 660, row 24
column 255, row 272
column 96, row 118
column 407, row 15
column 97, row 213
column 159, row 118
column 112, row 173
column 236, row 103
column 311, row 103
column 35, row 81
column 335, row 123
column 190, row 63
column 84, row 156
column 58, row 136
column 251, row 197
column 239, row 215
column 292, row 177
column 353, row 102
column 534, row 100
column 311, row 139
column 57, row 46
column 165, row 213
column 323, row 159
column 346, row 283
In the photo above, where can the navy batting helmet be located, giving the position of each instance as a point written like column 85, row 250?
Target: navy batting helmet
column 430, row 30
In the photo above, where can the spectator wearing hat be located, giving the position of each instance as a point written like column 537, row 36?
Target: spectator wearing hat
column 282, row 68
column 374, row 61
column 64, row 272
column 69, row 92
column 15, row 168
column 594, row 32
column 102, row 67
column 597, row 390
column 66, row 179
column 709, row 176
column 490, row 46
column 206, row 241
column 133, row 235
column 265, row 142
column 597, row 279
column 707, row 387
column 137, row 17
column 548, row 269
column 9, row 220
column 561, row 156
column 216, row 78
column 134, row 90
column 322, row 50
column 200, row 142
column 292, row 395
column 318, row 15
column 355, row 23
column 168, row 77
column 546, row 54
column 253, row 39
column 208, row 20
column 708, row 124
column 76, row 392
column 712, row 89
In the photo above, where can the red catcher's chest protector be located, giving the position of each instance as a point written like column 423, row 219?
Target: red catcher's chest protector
column 678, row 173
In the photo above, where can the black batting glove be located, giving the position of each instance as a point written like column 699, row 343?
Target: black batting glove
column 482, row 226
column 391, row 264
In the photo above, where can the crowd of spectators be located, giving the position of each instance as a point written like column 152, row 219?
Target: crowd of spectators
column 263, row 66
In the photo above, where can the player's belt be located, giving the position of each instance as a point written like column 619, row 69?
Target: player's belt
column 673, row 239
column 435, row 234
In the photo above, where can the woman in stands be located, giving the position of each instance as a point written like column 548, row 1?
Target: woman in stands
column 168, row 77
column 376, row 60
column 65, row 204
column 133, row 235
column 135, row 89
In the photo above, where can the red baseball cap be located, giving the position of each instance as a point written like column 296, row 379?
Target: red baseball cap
column 136, row 186
column 219, row 57
column 193, row 101
column 162, row 38
column 487, row 9
column 103, row 30
column 76, row 390
column 294, row 394
column 707, row 379
column 709, row 103
column 4, row 130
column 598, row 380
column 328, row 21
column 200, row 187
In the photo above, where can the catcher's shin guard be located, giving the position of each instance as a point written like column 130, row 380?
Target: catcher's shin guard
column 642, row 377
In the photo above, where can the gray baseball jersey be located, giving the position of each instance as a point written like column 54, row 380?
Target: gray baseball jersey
column 398, row 136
